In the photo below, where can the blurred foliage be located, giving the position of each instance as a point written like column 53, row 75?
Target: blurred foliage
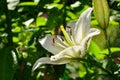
column 24, row 22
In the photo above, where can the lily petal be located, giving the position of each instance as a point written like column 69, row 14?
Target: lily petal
column 48, row 45
column 82, row 26
column 86, row 40
column 46, row 60
column 68, row 53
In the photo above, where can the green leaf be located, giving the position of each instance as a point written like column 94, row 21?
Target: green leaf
column 113, row 49
column 94, row 22
column 15, row 39
column 118, row 0
column 16, row 29
column 95, row 49
column 41, row 21
column 28, row 4
column 114, row 23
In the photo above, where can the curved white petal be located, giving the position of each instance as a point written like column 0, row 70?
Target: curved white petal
column 82, row 26
column 86, row 40
column 46, row 60
column 48, row 45
column 68, row 53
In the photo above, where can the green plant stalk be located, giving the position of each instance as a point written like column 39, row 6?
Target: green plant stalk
column 64, row 12
column 8, row 25
column 96, row 64
column 107, row 42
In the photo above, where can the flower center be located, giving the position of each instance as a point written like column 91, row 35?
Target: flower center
column 66, row 41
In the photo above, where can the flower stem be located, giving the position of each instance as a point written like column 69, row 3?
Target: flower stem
column 107, row 42
column 96, row 64
column 8, row 24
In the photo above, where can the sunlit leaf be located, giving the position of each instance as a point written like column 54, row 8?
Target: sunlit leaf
column 41, row 21
column 28, row 4
column 16, row 29
column 95, row 49
column 15, row 39
column 113, row 49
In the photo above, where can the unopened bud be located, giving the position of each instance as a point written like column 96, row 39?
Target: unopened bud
column 101, row 12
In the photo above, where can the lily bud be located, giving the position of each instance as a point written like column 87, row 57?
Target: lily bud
column 101, row 12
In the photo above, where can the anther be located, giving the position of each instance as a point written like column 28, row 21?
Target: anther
column 62, row 38
column 68, row 27
column 70, row 30
column 53, row 40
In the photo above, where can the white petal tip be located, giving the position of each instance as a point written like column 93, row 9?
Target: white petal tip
column 35, row 66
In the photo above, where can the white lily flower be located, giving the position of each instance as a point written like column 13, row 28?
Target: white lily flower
column 72, row 45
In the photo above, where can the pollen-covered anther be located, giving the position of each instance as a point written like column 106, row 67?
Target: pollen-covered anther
column 68, row 27
column 70, row 30
column 53, row 40
column 62, row 39
column 71, row 35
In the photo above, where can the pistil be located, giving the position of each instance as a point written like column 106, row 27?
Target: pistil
column 66, row 36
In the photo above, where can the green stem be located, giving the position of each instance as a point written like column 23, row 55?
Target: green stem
column 97, row 64
column 64, row 12
column 8, row 24
column 107, row 41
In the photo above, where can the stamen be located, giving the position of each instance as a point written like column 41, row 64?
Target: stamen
column 72, row 39
column 70, row 32
column 55, row 43
column 63, row 41
column 60, row 45
column 60, row 38
column 53, row 40
column 66, row 36
column 68, row 27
